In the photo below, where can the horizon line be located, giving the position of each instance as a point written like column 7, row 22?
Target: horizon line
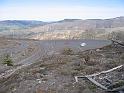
column 60, row 19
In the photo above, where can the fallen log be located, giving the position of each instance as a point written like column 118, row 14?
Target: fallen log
column 117, row 42
column 89, row 77
column 116, row 89
column 96, row 83
column 96, row 74
column 104, row 72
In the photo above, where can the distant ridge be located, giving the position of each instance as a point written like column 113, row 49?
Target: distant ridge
column 22, row 22
column 63, row 29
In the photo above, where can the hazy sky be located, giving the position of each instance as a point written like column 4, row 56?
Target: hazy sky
column 50, row 10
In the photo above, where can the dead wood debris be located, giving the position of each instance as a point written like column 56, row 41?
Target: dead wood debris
column 90, row 78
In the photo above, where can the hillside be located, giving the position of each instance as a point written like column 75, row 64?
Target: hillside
column 67, row 29
column 10, row 27
column 77, row 28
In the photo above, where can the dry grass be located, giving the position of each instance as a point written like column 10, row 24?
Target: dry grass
column 40, row 91
column 92, row 87
column 91, row 70
column 122, row 56
column 67, row 72
column 111, row 64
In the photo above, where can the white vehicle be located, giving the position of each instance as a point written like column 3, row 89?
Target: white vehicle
column 83, row 44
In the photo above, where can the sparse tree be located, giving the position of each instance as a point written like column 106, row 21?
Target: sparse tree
column 7, row 60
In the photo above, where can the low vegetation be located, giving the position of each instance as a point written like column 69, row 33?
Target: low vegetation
column 55, row 73
column 92, row 87
column 7, row 60
column 120, row 83
column 122, row 56
column 67, row 51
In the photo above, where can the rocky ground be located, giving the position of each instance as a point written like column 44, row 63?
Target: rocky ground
column 55, row 73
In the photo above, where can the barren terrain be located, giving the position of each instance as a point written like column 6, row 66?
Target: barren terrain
column 50, row 66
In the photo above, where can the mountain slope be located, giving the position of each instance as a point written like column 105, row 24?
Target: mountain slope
column 17, row 27
column 65, row 29
column 77, row 28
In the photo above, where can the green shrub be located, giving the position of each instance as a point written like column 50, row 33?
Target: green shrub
column 7, row 60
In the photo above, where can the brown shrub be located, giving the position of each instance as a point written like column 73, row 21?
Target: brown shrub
column 111, row 64
column 40, row 91
column 91, row 70
column 67, row 51
column 91, row 63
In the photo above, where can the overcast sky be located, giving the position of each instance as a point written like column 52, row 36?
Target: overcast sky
column 52, row 10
